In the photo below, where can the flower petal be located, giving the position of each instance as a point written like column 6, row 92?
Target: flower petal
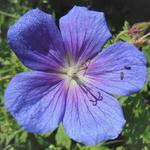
column 37, row 41
column 120, row 69
column 88, row 123
column 36, row 100
column 84, row 32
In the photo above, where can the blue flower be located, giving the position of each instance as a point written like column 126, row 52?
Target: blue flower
column 73, row 81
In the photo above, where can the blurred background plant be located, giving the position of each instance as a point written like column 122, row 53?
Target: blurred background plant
column 136, row 134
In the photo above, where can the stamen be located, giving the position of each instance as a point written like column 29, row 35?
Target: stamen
column 84, row 66
column 93, row 95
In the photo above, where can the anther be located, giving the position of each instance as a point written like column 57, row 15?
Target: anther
column 121, row 75
column 127, row 67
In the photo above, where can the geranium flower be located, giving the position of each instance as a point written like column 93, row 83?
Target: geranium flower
column 73, row 81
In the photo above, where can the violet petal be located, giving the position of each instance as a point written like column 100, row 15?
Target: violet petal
column 84, row 33
column 36, row 100
column 37, row 41
column 91, row 124
column 120, row 69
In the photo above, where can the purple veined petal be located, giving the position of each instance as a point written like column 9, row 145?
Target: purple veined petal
column 90, row 122
column 120, row 69
column 36, row 40
column 36, row 100
column 84, row 33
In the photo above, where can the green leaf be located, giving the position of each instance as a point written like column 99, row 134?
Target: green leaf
column 62, row 139
column 146, row 50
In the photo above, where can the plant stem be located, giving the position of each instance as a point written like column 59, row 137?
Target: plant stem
column 114, row 142
column 145, row 36
column 8, row 14
column 5, row 78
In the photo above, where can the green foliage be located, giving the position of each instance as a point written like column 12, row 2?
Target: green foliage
column 136, row 134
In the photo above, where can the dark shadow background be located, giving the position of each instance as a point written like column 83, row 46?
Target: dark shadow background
column 116, row 10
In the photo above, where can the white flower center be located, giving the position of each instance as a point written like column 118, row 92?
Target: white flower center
column 72, row 71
